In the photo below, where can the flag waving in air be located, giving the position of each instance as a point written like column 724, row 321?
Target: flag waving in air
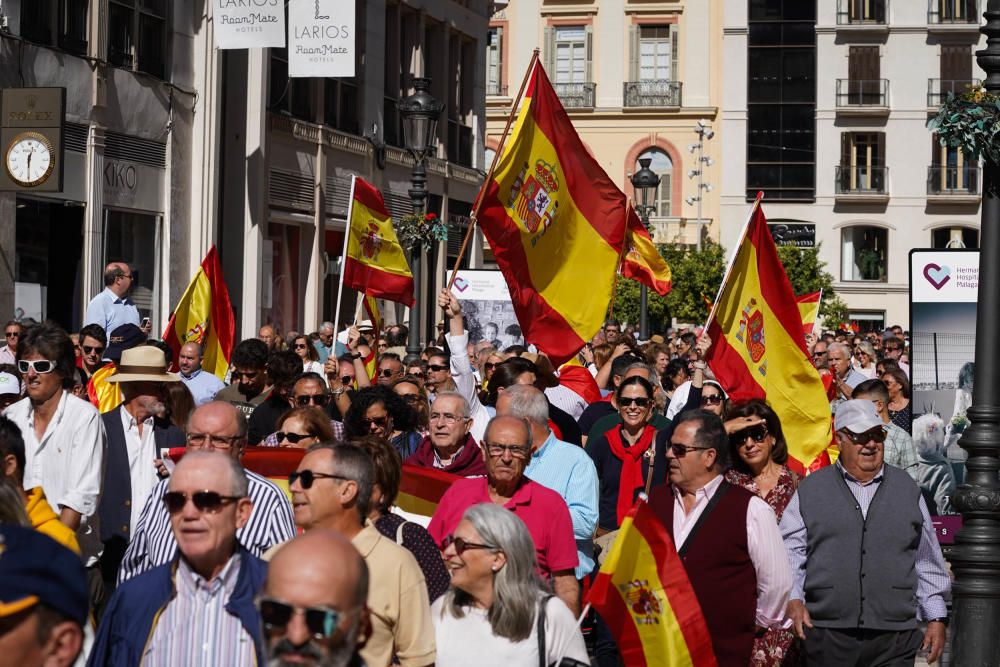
column 204, row 315
column 642, row 261
column 374, row 263
column 758, row 348
column 556, row 224
column 809, row 309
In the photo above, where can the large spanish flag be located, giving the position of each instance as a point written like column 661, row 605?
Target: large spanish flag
column 758, row 350
column 204, row 315
column 556, row 224
column 809, row 309
column 375, row 263
column 643, row 594
column 642, row 261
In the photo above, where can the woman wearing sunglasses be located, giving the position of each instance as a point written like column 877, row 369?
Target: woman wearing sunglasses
column 309, row 355
column 497, row 605
column 414, row 395
column 378, row 411
column 304, row 426
column 759, row 453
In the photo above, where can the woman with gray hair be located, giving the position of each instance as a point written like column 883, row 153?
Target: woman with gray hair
column 934, row 473
column 497, row 607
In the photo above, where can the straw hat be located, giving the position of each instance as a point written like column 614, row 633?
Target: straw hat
column 143, row 364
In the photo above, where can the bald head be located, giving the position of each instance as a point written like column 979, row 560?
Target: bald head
column 319, row 568
column 189, row 358
column 220, row 424
column 514, row 428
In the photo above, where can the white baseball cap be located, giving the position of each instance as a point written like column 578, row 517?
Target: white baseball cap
column 857, row 416
column 9, row 384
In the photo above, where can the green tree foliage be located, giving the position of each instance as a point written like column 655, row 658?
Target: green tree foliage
column 808, row 273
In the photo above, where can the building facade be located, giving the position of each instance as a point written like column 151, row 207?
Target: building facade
column 635, row 78
column 824, row 109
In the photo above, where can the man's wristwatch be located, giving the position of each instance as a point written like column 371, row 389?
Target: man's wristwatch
column 940, row 619
column 355, row 355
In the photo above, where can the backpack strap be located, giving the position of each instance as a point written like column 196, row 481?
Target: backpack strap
column 399, row 532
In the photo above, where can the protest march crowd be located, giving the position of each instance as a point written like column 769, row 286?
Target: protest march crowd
column 134, row 529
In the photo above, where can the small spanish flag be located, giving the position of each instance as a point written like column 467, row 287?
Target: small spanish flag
column 643, row 593
column 420, row 489
column 809, row 309
column 642, row 261
column 375, row 264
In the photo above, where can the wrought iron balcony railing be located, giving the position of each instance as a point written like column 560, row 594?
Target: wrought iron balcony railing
column 577, row 95
column 657, row 93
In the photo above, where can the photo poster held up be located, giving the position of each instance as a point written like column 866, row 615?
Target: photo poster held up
column 486, row 304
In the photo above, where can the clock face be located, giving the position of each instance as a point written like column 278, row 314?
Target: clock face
column 29, row 160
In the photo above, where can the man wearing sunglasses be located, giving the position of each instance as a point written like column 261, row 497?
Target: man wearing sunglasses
column 63, row 436
column 112, row 308
column 249, row 377
column 198, row 609
column 12, row 333
column 215, row 426
column 93, row 342
column 331, row 489
column 309, row 390
column 203, row 386
column 314, row 604
column 866, row 563
column 390, row 369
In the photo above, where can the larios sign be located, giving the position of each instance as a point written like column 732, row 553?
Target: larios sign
column 246, row 24
column 321, row 38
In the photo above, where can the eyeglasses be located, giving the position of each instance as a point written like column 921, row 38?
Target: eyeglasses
column 346, row 379
column 40, row 366
column 758, row 433
column 411, row 398
column 300, row 346
column 388, row 372
column 294, row 438
column 876, row 434
column 321, row 621
column 461, row 546
column 12, row 334
column 380, row 422
column 314, row 399
column 715, row 399
column 249, row 375
column 680, row 450
column 819, row 354
column 436, row 368
column 624, row 402
column 489, row 365
column 307, row 477
column 204, row 501
column 446, row 417
column 88, row 349
column 196, row 440
column 516, row 451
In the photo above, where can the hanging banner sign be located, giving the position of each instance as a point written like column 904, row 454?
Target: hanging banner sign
column 249, row 24
column 321, row 39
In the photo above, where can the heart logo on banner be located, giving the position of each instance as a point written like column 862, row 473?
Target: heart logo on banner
column 461, row 284
column 937, row 275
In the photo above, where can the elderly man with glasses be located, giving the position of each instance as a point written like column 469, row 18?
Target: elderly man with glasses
column 448, row 445
column 198, row 609
column 12, row 333
column 220, row 427
column 507, row 447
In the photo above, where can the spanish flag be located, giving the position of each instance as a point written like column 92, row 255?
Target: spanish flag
column 204, row 315
column 642, row 261
column 758, row 349
column 643, row 594
column 809, row 310
column 556, row 224
column 105, row 396
column 375, row 263
column 420, row 489
column 371, row 309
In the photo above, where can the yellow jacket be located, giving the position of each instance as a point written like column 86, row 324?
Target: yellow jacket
column 45, row 521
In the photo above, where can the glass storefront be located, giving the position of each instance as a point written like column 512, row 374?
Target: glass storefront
column 134, row 238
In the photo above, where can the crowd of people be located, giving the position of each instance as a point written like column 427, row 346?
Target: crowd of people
column 113, row 554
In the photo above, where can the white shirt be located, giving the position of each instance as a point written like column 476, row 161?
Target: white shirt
column 141, row 454
column 767, row 551
column 67, row 462
column 465, row 383
column 313, row 367
column 470, row 640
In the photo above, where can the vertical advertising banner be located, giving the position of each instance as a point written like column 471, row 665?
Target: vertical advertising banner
column 944, row 288
column 247, row 24
column 321, row 39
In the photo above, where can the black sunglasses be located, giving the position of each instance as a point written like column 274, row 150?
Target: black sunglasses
column 711, row 400
column 307, row 477
column 628, row 402
column 461, row 546
column 376, row 421
column 315, row 399
column 436, row 368
column 204, row 501
column 758, row 433
column 321, row 621
column 87, row 349
column 877, row 434
column 294, row 438
column 346, row 379
column 387, row 372
column 489, row 365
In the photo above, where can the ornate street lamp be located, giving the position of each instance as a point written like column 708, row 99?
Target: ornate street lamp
column 420, row 112
column 644, row 182
column 975, row 558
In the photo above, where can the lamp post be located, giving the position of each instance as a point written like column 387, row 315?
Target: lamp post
column 975, row 557
column 420, row 112
column 644, row 182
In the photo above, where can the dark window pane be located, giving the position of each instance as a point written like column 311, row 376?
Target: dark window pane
column 120, row 38
column 152, row 46
column 278, row 95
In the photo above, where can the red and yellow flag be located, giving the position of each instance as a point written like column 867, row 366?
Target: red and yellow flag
column 758, row 350
column 809, row 310
column 556, row 224
column 642, row 261
column 420, row 489
column 106, row 396
column 371, row 309
column 643, row 594
column 204, row 315
column 375, row 264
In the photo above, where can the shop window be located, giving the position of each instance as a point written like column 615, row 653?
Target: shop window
column 133, row 238
column 864, row 254
column 664, row 168
column 137, row 35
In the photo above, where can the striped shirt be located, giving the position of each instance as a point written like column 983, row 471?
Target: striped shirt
column 195, row 628
column 153, row 542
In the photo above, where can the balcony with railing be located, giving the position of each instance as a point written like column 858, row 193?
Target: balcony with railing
column 953, row 184
column 950, row 15
column 577, row 95
column 868, row 14
column 938, row 90
column 651, row 94
column 862, row 183
column 863, row 96
column 494, row 89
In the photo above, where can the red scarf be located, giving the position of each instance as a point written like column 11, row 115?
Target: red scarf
column 631, row 458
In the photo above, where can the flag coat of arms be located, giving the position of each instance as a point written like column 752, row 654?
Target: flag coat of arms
column 759, row 351
column 556, row 224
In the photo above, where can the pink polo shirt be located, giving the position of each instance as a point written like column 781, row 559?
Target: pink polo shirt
column 542, row 510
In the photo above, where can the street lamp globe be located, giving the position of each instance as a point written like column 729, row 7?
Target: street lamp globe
column 645, row 182
column 420, row 112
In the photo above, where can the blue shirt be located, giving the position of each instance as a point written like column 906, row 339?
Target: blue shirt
column 203, row 386
column 110, row 311
column 569, row 471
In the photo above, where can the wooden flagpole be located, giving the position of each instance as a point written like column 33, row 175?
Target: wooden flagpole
column 493, row 166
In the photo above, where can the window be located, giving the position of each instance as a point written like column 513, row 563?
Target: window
column 950, row 172
column 340, row 104
column 864, row 87
column 494, row 62
column 137, row 35
column 864, row 254
column 61, row 23
column 953, row 11
column 868, row 320
column 488, row 157
column 862, row 11
column 663, row 167
column 133, row 238
column 862, row 163
column 657, row 61
column 571, row 55
column 292, row 97
column 955, row 237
